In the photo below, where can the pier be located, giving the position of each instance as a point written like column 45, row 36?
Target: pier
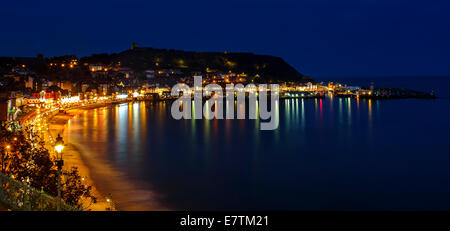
column 385, row 93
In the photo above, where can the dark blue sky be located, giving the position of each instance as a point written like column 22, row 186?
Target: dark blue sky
column 320, row 38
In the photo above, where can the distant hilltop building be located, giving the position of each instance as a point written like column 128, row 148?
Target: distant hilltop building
column 134, row 45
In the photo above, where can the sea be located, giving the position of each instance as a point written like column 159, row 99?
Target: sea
column 331, row 154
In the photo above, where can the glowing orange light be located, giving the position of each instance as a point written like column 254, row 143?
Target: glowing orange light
column 59, row 148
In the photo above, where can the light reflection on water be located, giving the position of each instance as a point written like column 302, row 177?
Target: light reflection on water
column 332, row 153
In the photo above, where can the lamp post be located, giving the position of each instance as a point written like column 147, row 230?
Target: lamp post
column 7, row 147
column 111, row 207
column 59, row 146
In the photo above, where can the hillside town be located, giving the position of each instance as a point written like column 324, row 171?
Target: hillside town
column 57, row 82
column 67, row 81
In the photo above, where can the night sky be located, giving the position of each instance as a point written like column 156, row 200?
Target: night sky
column 346, row 38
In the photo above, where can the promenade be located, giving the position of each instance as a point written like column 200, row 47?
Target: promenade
column 50, row 123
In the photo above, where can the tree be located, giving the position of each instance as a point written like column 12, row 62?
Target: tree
column 74, row 189
column 25, row 158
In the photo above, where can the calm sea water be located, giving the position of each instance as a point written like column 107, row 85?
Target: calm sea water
column 329, row 154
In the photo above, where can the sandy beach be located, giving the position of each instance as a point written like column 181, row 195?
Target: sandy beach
column 73, row 157
column 103, row 178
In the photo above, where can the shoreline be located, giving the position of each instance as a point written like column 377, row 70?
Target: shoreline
column 73, row 156
column 105, row 180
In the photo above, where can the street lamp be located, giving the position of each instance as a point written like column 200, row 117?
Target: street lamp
column 110, row 203
column 7, row 147
column 59, row 146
